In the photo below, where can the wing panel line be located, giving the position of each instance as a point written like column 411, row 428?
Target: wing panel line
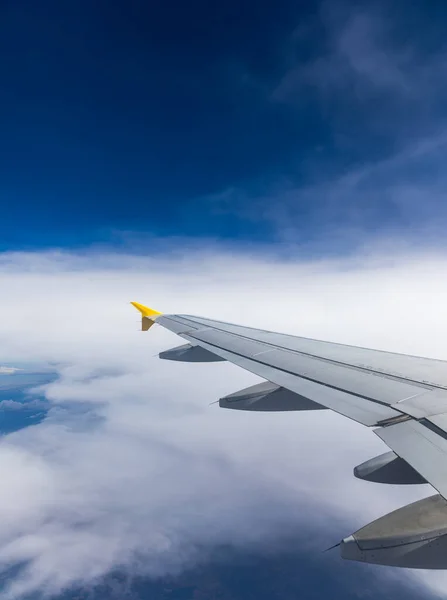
column 420, row 384
column 276, row 375
column 333, row 387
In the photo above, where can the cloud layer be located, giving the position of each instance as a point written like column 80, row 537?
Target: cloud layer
column 132, row 468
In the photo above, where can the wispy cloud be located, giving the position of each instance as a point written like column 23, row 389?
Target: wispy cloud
column 373, row 85
column 397, row 199
column 15, row 405
column 366, row 53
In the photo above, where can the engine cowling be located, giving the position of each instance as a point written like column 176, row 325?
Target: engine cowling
column 414, row 536
column 388, row 468
column 267, row 396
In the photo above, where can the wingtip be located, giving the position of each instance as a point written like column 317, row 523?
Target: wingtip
column 145, row 310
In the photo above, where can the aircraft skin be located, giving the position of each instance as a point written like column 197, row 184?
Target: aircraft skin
column 404, row 398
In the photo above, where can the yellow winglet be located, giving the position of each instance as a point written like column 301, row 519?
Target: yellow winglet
column 145, row 310
column 148, row 315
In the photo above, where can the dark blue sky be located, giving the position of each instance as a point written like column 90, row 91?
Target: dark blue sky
column 238, row 121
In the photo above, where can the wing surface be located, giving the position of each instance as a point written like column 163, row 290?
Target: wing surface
column 423, row 445
column 368, row 386
column 405, row 397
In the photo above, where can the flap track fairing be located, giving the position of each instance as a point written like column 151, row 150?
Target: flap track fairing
column 267, row 396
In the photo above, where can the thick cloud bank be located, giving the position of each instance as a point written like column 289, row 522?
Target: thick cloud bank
column 132, row 468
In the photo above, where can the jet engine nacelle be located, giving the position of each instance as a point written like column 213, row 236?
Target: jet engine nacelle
column 267, row 396
column 189, row 353
column 414, row 536
column 388, row 468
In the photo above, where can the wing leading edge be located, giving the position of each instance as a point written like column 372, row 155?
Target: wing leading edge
column 404, row 397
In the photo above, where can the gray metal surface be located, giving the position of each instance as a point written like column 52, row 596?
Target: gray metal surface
column 432, row 402
column 424, row 370
column 424, row 449
column 353, row 391
column 421, row 520
column 343, row 377
column 388, row 468
column 404, row 396
column 428, row 554
column 414, row 536
column 267, row 396
column 359, row 409
column 439, row 421
column 189, row 353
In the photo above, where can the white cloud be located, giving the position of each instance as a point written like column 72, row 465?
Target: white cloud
column 144, row 474
column 394, row 200
column 14, row 405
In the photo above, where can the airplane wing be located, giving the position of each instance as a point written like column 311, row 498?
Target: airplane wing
column 403, row 397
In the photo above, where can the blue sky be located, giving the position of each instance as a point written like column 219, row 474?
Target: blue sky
column 312, row 122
